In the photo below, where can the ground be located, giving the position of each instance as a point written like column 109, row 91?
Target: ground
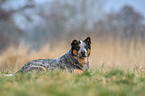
column 98, row 82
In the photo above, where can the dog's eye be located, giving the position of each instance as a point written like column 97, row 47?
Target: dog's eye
column 77, row 48
column 86, row 47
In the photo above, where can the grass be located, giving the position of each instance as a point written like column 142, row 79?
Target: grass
column 109, row 82
column 116, row 70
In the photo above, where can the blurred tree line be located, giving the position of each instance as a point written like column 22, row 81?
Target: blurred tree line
column 34, row 23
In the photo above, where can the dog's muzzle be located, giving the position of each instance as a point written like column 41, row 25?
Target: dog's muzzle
column 82, row 54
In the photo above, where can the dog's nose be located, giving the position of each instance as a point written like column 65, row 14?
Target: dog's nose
column 83, row 53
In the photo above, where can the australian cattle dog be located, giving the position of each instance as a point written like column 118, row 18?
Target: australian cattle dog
column 75, row 60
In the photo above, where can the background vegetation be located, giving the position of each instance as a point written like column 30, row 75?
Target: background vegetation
column 36, row 24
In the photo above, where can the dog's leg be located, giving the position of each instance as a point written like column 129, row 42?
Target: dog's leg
column 78, row 71
column 36, row 68
column 88, row 65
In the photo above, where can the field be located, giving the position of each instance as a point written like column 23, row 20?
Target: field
column 112, row 82
column 117, row 69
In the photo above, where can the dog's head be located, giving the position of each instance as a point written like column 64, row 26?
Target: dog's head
column 81, row 49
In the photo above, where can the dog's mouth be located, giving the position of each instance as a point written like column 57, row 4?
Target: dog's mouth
column 82, row 60
column 82, row 57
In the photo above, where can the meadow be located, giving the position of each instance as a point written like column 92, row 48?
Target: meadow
column 117, row 69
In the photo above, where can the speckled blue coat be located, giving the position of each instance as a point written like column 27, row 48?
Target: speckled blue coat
column 66, row 62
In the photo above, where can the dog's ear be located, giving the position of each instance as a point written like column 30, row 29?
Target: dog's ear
column 74, row 42
column 88, row 40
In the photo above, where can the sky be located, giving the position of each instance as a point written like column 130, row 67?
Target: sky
column 111, row 5
column 115, row 5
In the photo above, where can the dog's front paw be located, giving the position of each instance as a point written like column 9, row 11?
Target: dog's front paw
column 78, row 71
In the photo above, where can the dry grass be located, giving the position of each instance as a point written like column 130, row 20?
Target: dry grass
column 109, row 54
column 119, row 54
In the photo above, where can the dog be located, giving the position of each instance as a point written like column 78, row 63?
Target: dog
column 75, row 60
